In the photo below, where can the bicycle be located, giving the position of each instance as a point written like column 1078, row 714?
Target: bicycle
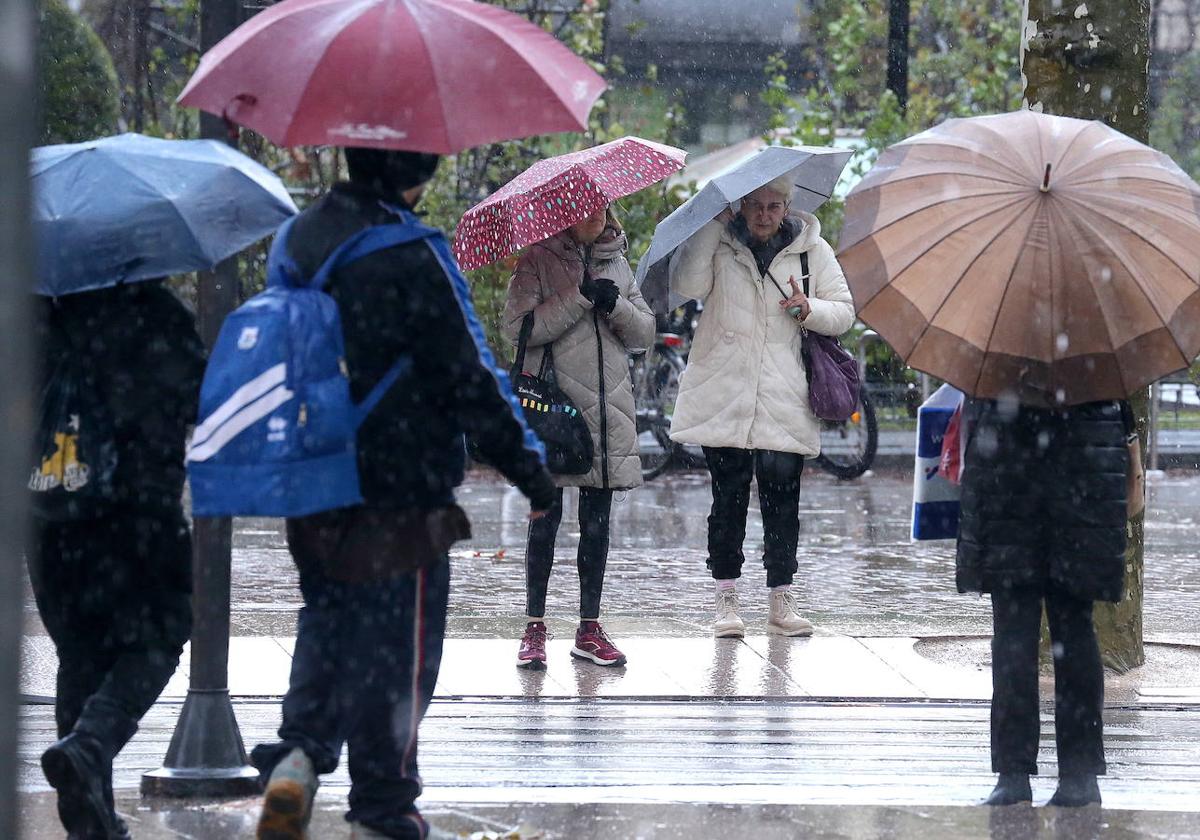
column 848, row 447
column 655, row 377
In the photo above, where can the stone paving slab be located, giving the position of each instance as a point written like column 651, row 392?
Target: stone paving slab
column 824, row 666
column 690, row 751
column 163, row 820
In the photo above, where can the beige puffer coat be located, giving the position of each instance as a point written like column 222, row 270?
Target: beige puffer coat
column 745, row 386
column 546, row 283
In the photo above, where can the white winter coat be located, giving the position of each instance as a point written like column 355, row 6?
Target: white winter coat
column 745, row 384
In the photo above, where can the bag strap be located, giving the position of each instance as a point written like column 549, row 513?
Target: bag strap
column 546, row 368
column 398, row 369
column 522, row 344
column 804, row 270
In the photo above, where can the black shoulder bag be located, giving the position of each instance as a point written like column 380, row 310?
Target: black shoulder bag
column 550, row 412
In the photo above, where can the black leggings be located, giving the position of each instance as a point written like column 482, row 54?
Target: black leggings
column 594, row 508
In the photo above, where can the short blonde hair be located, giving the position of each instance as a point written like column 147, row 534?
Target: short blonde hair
column 781, row 186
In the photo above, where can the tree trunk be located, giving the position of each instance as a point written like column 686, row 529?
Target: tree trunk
column 1090, row 59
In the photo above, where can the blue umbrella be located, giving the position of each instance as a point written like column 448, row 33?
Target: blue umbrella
column 131, row 208
column 814, row 171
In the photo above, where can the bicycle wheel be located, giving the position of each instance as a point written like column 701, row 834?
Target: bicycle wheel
column 655, row 389
column 848, row 448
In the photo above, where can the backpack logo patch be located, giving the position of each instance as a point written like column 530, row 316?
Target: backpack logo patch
column 247, row 338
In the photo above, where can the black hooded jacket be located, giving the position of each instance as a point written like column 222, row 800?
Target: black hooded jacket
column 397, row 302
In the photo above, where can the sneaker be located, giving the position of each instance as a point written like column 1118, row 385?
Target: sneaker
column 784, row 618
column 729, row 624
column 288, row 801
column 592, row 643
column 78, row 769
column 532, row 654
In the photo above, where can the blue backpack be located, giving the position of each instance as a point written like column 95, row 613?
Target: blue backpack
column 277, row 428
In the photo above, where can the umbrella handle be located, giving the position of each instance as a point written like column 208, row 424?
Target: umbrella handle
column 1046, row 180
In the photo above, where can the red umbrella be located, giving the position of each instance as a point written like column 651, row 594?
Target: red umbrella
column 558, row 192
column 422, row 75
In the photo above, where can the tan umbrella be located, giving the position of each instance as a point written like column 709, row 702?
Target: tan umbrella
column 1022, row 254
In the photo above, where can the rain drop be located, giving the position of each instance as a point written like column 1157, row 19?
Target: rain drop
column 1062, row 342
column 1106, row 275
column 1106, row 94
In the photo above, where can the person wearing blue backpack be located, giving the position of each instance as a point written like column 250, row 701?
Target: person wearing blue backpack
column 374, row 575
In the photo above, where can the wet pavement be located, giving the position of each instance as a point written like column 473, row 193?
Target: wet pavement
column 859, row 573
column 875, row 727
column 637, row 821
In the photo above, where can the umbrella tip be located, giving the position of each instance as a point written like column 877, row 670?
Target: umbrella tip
column 1046, row 180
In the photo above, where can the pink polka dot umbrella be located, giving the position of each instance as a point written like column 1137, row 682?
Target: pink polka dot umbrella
column 558, row 192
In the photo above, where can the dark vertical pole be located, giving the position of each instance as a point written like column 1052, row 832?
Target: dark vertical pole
column 897, row 66
column 206, row 756
column 17, row 133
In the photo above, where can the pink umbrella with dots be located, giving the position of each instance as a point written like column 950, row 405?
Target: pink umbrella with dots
column 556, row 193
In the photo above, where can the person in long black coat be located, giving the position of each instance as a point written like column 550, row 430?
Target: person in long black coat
column 1043, row 522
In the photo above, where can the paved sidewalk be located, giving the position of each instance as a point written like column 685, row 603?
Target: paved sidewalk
column 826, row 666
column 624, row 769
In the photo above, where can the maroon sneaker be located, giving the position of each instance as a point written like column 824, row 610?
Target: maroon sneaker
column 532, row 654
column 592, row 643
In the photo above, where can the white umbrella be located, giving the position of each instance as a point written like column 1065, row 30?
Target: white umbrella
column 814, row 171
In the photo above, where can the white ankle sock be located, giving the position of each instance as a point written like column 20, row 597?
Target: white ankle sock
column 787, row 587
column 722, row 585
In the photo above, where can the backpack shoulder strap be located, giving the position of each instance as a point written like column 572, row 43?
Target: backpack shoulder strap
column 364, row 243
column 804, row 270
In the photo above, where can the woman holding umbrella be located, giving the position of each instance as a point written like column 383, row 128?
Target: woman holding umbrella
column 744, row 395
column 589, row 314
column 587, row 317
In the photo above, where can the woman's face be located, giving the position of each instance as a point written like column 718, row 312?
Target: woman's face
column 763, row 210
column 589, row 230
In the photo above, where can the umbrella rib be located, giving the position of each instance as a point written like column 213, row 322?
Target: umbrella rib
column 958, row 282
column 299, row 107
column 899, row 179
column 1149, row 301
column 1007, row 287
column 1087, row 208
column 935, row 244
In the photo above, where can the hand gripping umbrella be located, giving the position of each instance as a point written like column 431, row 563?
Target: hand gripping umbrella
column 1047, row 258
column 423, row 75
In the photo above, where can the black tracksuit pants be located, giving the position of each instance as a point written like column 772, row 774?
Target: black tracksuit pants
column 595, row 506
column 115, row 597
column 778, row 475
column 1078, row 681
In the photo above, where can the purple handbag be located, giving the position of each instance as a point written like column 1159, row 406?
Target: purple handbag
column 832, row 373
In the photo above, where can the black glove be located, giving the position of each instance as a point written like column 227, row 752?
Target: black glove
column 588, row 287
column 606, row 296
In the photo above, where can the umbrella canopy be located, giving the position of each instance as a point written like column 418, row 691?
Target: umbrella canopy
column 423, row 75
column 814, row 171
column 558, row 192
column 131, row 208
column 1047, row 258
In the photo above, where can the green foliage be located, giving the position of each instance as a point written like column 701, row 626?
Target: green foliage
column 77, row 82
column 963, row 61
column 1175, row 124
